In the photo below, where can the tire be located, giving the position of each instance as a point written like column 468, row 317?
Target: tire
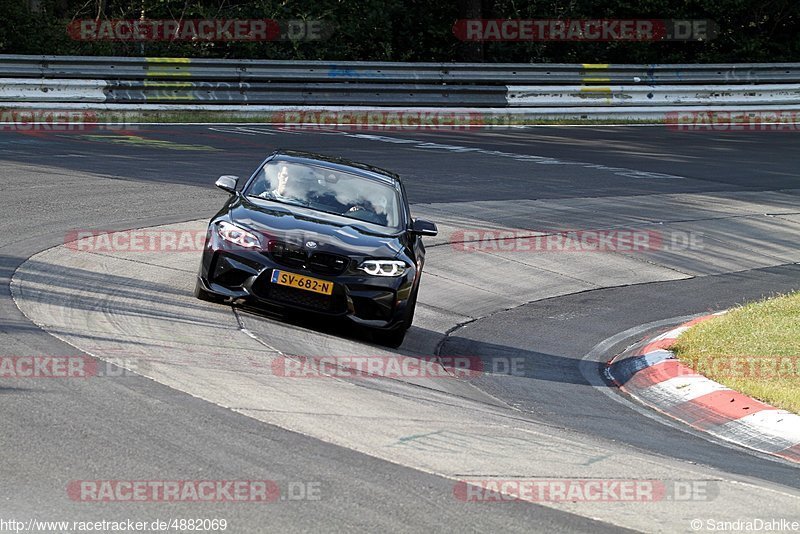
column 394, row 338
column 202, row 294
column 412, row 306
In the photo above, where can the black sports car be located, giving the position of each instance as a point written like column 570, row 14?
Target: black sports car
column 320, row 234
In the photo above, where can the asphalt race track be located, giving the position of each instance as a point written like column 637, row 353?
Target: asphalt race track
column 195, row 398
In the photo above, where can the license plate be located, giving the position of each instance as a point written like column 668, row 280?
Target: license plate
column 299, row 281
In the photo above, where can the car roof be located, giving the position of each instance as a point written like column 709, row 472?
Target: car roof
column 337, row 163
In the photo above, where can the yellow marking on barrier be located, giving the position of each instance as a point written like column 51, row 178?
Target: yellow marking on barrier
column 168, row 60
column 161, row 66
column 595, row 91
column 153, row 83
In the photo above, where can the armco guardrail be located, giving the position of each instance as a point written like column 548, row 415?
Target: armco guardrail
column 183, row 83
column 662, row 95
column 112, row 68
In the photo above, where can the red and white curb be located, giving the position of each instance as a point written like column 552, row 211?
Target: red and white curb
column 656, row 378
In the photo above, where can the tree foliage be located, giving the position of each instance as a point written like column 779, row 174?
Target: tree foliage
column 415, row 30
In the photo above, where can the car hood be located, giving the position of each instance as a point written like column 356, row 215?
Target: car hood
column 299, row 225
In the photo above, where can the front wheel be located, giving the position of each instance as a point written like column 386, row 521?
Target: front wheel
column 410, row 307
column 394, row 338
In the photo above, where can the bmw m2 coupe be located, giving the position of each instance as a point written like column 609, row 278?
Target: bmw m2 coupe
column 318, row 234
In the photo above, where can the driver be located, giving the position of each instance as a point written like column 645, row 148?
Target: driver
column 283, row 178
column 280, row 190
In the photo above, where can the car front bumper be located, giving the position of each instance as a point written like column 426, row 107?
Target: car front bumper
column 238, row 273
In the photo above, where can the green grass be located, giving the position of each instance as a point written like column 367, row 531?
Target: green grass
column 754, row 349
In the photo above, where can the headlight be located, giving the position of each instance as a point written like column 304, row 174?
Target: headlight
column 383, row 267
column 237, row 235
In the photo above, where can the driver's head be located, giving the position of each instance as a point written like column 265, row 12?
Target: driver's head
column 283, row 179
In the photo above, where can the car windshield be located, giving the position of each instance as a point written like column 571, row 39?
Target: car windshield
column 323, row 189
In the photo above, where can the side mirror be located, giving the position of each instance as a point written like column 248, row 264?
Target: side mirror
column 423, row 227
column 228, row 183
